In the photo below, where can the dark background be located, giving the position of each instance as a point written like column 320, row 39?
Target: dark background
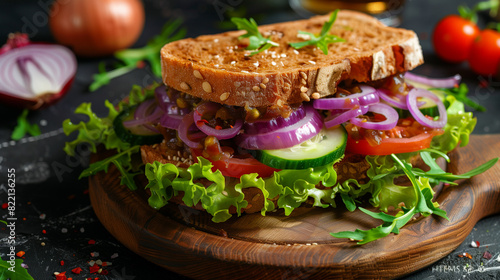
column 50, row 197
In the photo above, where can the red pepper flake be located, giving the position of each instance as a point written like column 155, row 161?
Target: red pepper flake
column 487, row 255
column 94, row 268
column 61, row 262
column 467, row 255
column 61, row 276
column 475, row 244
column 86, row 191
column 5, row 205
column 91, row 242
column 77, row 270
column 20, row 254
column 44, row 231
column 484, row 84
column 141, row 64
column 201, row 122
column 218, row 127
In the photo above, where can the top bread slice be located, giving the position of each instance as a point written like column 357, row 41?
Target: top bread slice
column 219, row 68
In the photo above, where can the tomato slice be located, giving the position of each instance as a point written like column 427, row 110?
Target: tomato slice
column 236, row 167
column 407, row 136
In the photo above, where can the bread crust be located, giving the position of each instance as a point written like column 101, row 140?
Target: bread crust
column 218, row 68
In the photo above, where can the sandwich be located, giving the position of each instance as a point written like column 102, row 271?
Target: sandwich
column 310, row 113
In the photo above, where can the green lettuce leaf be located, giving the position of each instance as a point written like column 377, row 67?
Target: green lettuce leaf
column 458, row 129
column 95, row 131
column 218, row 194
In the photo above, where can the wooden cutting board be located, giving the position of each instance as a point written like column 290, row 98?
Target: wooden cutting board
column 299, row 246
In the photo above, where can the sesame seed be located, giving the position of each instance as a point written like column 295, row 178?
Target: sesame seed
column 224, row 96
column 315, row 95
column 304, row 96
column 303, row 81
column 312, row 62
column 273, row 63
column 303, row 75
column 266, row 80
column 206, row 87
column 245, row 71
column 296, row 51
column 303, row 89
column 256, row 88
column 233, row 62
column 279, row 102
column 224, row 193
column 185, row 86
column 197, row 74
column 263, row 86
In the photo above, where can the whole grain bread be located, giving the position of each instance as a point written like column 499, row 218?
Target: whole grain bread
column 218, row 67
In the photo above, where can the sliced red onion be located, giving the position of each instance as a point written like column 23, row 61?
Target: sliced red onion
column 337, row 117
column 398, row 101
column 367, row 96
column 273, row 124
column 411, row 100
column 389, row 123
column 285, row 137
column 36, row 74
column 220, row 134
column 183, row 130
column 432, row 82
column 171, row 121
column 143, row 117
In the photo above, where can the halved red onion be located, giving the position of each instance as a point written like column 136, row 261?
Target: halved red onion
column 183, row 130
column 337, row 117
column 220, row 134
column 390, row 114
column 273, row 124
column 36, row 75
column 367, row 96
column 411, row 100
column 285, row 137
column 433, row 82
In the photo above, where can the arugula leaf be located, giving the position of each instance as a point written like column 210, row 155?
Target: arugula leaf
column 122, row 161
column 460, row 93
column 439, row 175
column 23, row 126
column 324, row 38
column 257, row 42
column 134, row 58
column 16, row 272
column 392, row 224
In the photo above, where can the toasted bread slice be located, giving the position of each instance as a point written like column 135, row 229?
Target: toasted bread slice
column 218, row 68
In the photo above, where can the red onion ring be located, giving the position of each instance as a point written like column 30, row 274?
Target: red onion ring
column 367, row 96
column 337, row 117
column 275, row 123
column 432, row 82
column 184, row 127
column 141, row 116
column 389, row 123
column 411, row 100
column 398, row 102
column 285, row 137
column 220, row 134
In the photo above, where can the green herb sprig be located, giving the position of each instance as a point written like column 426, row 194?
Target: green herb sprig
column 131, row 59
column 323, row 40
column 24, row 127
column 257, row 42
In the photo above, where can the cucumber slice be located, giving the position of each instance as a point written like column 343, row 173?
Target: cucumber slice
column 326, row 147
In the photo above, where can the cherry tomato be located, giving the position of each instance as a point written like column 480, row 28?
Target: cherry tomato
column 484, row 56
column 453, row 37
column 407, row 136
column 236, row 167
